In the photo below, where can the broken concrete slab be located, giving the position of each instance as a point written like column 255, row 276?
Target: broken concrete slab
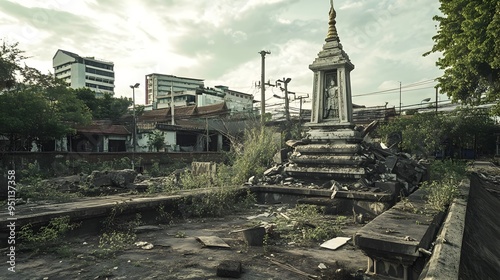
column 212, row 241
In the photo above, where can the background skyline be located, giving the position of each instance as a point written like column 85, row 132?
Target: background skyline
column 219, row 41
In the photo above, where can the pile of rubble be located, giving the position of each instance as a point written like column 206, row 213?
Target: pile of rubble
column 370, row 167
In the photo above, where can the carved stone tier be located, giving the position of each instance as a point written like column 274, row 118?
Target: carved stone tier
column 331, row 152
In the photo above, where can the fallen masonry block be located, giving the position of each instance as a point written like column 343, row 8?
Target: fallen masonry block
column 229, row 268
column 392, row 187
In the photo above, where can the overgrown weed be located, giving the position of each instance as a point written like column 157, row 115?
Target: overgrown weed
column 306, row 225
column 443, row 187
column 46, row 238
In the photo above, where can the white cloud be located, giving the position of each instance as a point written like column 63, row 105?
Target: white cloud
column 219, row 40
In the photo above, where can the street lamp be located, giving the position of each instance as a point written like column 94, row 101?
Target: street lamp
column 425, row 100
column 134, row 134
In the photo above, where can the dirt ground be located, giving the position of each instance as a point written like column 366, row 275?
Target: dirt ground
column 177, row 254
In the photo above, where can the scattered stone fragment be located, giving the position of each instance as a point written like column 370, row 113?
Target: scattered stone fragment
column 229, row 268
column 144, row 245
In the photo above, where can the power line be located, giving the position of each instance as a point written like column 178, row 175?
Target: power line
column 397, row 88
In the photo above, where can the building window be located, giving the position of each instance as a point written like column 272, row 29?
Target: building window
column 99, row 72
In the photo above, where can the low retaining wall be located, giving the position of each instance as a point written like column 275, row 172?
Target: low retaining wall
column 398, row 241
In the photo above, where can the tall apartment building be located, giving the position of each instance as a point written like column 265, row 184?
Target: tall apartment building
column 160, row 85
column 88, row 72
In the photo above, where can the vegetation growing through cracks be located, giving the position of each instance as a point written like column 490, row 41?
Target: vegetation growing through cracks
column 47, row 238
column 443, row 187
column 305, row 225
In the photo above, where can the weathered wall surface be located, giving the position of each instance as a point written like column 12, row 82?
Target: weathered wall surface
column 480, row 257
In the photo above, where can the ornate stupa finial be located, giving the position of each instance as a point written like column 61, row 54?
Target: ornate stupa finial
column 332, row 30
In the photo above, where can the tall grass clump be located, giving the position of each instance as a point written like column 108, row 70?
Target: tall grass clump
column 260, row 145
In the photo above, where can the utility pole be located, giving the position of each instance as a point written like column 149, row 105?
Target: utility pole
column 400, row 98
column 134, row 136
column 262, row 85
column 287, row 102
column 300, row 106
column 436, row 100
column 208, row 136
column 172, row 105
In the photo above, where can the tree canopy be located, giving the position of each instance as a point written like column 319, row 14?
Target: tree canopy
column 34, row 106
column 424, row 134
column 469, row 40
column 107, row 107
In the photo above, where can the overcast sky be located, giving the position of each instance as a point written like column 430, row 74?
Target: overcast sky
column 219, row 41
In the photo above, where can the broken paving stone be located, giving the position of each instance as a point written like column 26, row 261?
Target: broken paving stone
column 335, row 243
column 212, row 241
column 230, row 269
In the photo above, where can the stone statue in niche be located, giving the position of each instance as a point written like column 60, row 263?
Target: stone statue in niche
column 331, row 96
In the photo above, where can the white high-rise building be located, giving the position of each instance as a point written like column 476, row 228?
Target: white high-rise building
column 159, row 86
column 79, row 72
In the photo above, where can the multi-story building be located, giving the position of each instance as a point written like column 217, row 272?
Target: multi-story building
column 189, row 91
column 237, row 102
column 84, row 72
column 159, row 86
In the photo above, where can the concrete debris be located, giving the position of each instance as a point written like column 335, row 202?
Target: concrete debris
column 116, row 178
column 230, row 269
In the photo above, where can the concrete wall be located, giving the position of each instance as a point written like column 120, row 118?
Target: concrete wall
column 49, row 160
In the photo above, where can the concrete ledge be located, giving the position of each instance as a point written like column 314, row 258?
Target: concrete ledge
column 445, row 260
column 290, row 190
column 395, row 240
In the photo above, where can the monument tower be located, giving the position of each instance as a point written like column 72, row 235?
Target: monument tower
column 332, row 102
column 330, row 149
